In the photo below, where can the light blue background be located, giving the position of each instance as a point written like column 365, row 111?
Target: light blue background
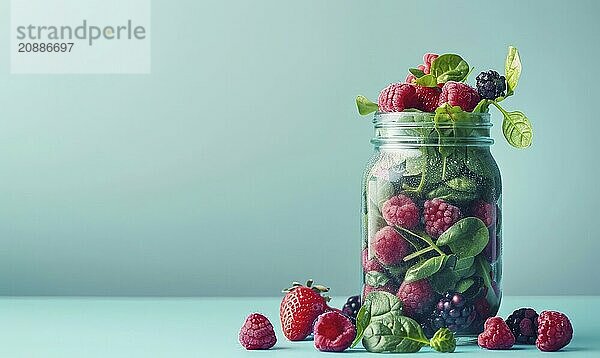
column 235, row 166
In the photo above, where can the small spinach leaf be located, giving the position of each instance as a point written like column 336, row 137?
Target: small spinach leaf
column 376, row 279
column 512, row 70
column 365, row 106
column 427, row 81
column 443, row 341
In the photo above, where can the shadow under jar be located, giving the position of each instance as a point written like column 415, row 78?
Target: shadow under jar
column 432, row 229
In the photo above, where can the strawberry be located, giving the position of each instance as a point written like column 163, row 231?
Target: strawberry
column 300, row 308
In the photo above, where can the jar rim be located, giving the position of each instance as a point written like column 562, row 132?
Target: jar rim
column 430, row 129
column 412, row 118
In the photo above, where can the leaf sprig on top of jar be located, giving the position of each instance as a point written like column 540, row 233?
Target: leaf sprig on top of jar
column 439, row 86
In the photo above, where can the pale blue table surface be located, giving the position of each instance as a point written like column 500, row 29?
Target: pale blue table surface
column 208, row 327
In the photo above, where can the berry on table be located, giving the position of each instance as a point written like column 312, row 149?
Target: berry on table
column 257, row 333
column 390, row 247
column 351, row 307
column 459, row 94
column 333, row 332
column 523, row 324
column 300, row 307
column 417, row 297
column 554, row 331
column 439, row 216
column 401, row 211
column 397, row 97
column 490, row 85
column 453, row 312
column 496, row 335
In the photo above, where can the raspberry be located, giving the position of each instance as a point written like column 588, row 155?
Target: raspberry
column 390, row 287
column 417, row 297
column 484, row 211
column 397, row 97
column 496, row 335
column 428, row 60
column 390, row 247
column 401, row 211
column 523, row 324
column 333, row 332
column 459, row 94
column 439, row 216
column 453, row 312
column 428, row 98
column 554, row 331
column 490, row 84
column 426, row 68
column 351, row 308
column 257, row 333
column 370, row 264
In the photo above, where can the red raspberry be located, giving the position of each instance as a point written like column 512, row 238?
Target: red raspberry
column 439, row 216
column 554, row 331
column 427, row 60
column 370, row 264
column 417, row 297
column 496, row 335
column 397, row 97
column 390, row 247
column 257, row 333
column 484, row 211
column 401, row 211
column 428, row 98
column 459, row 94
column 334, row 332
column 390, row 287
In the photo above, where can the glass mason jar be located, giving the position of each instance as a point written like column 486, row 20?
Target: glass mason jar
column 432, row 229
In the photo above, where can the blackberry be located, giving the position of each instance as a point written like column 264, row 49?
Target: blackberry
column 490, row 84
column 351, row 308
column 523, row 323
column 454, row 312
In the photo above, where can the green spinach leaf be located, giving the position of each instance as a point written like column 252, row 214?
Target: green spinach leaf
column 425, row 268
column 517, row 129
column 443, row 341
column 401, row 335
column 376, row 279
column 449, row 67
column 464, row 284
column 427, row 81
column 416, row 72
column 365, row 106
column 449, row 194
column 363, row 318
column 467, row 237
column 512, row 70
column 444, row 280
column 463, row 184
